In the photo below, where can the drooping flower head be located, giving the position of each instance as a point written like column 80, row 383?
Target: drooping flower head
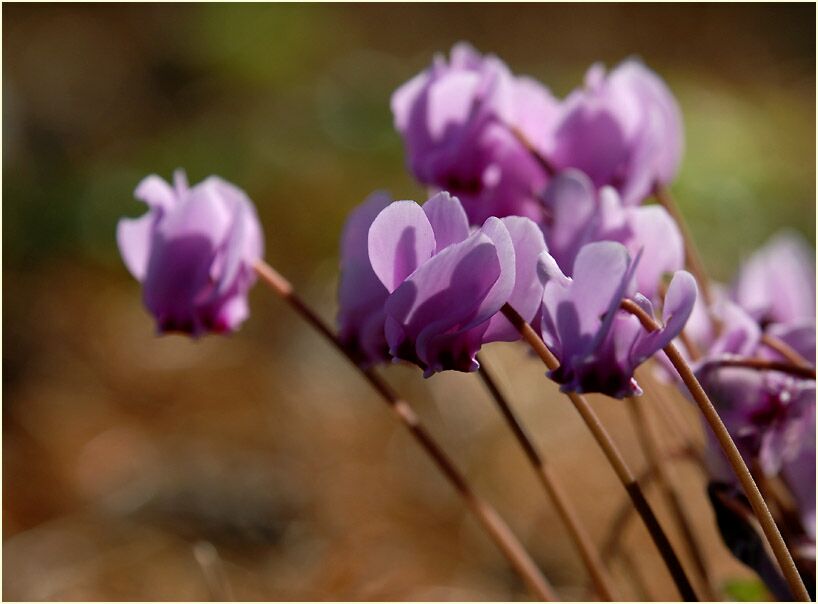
column 623, row 129
column 446, row 283
column 599, row 346
column 193, row 252
column 455, row 119
column 768, row 414
column 577, row 214
column 361, row 295
column 777, row 283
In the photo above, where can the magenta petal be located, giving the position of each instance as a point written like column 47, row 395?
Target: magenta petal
column 526, row 297
column 441, row 297
column 679, row 301
column 448, row 220
column 134, row 236
column 155, row 192
column 655, row 232
column 400, row 239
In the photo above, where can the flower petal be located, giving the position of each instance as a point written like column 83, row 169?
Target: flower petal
column 448, row 220
column 400, row 239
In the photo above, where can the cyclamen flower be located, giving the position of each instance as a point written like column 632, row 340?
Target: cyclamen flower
column 455, row 120
column 361, row 294
column 446, row 283
column 777, row 283
column 577, row 214
column 623, row 129
column 767, row 413
column 599, row 346
column 193, row 252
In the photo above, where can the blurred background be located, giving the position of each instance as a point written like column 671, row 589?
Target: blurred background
column 259, row 466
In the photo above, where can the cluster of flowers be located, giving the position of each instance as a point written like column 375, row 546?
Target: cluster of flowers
column 538, row 204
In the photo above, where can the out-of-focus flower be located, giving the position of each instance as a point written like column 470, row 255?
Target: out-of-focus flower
column 777, row 283
column 361, row 294
column 447, row 284
column 598, row 345
column 623, row 129
column 767, row 413
column 799, row 474
column 456, row 118
column 577, row 214
column 193, row 252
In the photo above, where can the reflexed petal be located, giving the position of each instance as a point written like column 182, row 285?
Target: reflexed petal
column 655, row 232
column 400, row 239
column 448, row 220
column 526, row 297
column 679, row 301
column 155, row 192
column 134, row 237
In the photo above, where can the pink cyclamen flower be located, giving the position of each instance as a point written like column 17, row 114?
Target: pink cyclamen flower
column 446, row 283
column 599, row 346
column 193, row 252
column 361, row 295
column 623, row 129
column 777, row 283
column 577, row 214
column 768, row 414
column 455, row 121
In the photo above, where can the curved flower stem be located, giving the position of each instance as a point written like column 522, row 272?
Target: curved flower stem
column 762, row 512
column 494, row 525
column 784, row 349
column 807, row 373
column 615, row 458
column 653, row 456
column 587, row 550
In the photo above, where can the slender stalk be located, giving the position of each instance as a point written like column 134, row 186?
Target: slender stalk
column 653, row 456
column 615, row 458
column 763, row 365
column 762, row 512
column 784, row 349
column 490, row 520
column 543, row 161
column 577, row 532
column 612, row 542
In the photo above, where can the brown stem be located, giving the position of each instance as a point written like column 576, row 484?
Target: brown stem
column 494, row 525
column 784, row 349
column 762, row 365
column 613, row 541
column 543, row 161
column 762, row 512
column 653, row 456
column 587, row 550
column 615, row 458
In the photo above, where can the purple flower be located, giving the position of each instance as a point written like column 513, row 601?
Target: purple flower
column 455, row 120
column 777, row 283
column 623, row 129
column 446, row 283
column 799, row 474
column 193, row 252
column 598, row 345
column 361, row 294
column 767, row 413
column 577, row 214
